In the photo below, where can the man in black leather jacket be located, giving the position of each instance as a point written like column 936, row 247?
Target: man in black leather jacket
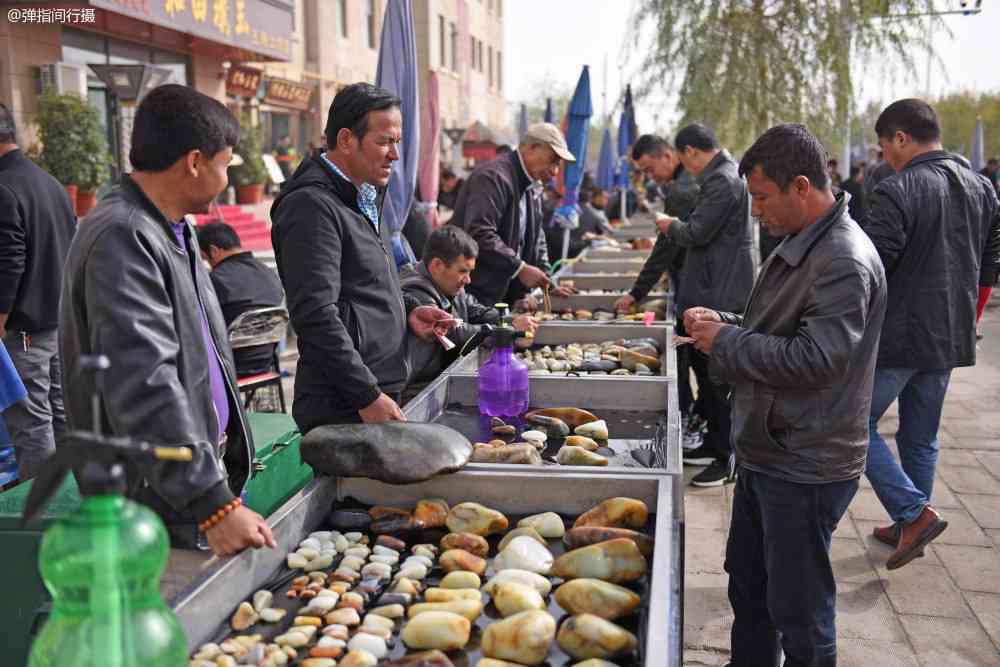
column 135, row 290
column 801, row 362
column 660, row 162
column 718, row 273
column 340, row 281
column 936, row 226
column 439, row 280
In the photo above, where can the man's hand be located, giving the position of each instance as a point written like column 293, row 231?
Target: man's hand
column 663, row 222
column 564, row 291
column 425, row 321
column 532, row 276
column 238, row 530
column 528, row 304
column 699, row 314
column 382, row 409
column 626, row 304
column 704, row 333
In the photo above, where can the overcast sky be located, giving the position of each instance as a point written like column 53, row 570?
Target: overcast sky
column 550, row 40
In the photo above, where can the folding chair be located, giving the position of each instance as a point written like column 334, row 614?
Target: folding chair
column 260, row 326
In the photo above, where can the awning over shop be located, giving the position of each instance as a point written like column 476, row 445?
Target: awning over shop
column 236, row 30
column 480, row 142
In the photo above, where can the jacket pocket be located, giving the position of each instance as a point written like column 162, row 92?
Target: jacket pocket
column 798, row 416
column 751, row 417
column 351, row 323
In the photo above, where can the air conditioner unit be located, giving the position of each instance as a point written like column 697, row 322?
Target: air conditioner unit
column 64, row 78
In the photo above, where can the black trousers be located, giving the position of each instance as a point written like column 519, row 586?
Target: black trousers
column 781, row 583
column 713, row 405
column 685, row 395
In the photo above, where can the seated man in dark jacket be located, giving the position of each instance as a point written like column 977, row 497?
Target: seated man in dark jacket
column 135, row 291
column 337, row 269
column 801, row 360
column 439, row 280
column 242, row 283
column 936, row 226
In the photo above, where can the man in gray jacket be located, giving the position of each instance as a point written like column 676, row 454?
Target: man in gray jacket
column 801, row 362
column 718, row 273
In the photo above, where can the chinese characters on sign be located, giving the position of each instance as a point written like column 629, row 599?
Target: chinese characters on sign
column 243, row 81
column 287, row 94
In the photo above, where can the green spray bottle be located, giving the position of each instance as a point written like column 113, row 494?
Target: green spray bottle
column 102, row 564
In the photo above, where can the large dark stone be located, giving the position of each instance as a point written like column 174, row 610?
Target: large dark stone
column 392, row 452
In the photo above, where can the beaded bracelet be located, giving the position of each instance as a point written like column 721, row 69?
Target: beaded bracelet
column 219, row 515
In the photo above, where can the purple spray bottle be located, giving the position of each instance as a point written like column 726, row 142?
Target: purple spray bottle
column 503, row 379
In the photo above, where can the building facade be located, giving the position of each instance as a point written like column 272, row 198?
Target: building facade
column 281, row 60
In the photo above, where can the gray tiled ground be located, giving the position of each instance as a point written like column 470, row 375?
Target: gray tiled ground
column 942, row 609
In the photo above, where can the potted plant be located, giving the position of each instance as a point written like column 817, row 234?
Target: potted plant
column 249, row 177
column 73, row 147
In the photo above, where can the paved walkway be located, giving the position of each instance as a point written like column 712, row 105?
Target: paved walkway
column 943, row 609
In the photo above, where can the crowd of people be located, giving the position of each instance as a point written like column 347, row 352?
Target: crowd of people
column 861, row 294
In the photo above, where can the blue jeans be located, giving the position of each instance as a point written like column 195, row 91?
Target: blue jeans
column 781, row 583
column 905, row 490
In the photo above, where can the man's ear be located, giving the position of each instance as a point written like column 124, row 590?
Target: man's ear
column 346, row 140
column 802, row 185
column 193, row 162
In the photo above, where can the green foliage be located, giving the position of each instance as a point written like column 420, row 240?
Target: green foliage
column 742, row 66
column 252, row 171
column 957, row 114
column 73, row 146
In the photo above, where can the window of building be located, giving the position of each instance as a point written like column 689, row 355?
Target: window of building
column 370, row 22
column 342, row 18
column 454, row 46
column 480, row 56
column 499, row 7
column 312, row 30
column 489, row 6
column 489, row 62
column 472, row 53
column 499, row 71
column 442, row 42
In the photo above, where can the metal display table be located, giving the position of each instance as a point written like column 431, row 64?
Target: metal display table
column 216, row 588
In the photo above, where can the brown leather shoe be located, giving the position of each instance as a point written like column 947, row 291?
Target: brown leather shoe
column 887, row 534
column 915, row 536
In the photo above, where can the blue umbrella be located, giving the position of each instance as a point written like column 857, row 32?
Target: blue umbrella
column 577, row 131
column 548, row 109
column 605, row 176
column 397, row 72
column 978, row 157
column 626, row 137
column 522, row 122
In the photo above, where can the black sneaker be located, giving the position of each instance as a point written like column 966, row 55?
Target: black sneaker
column 702, row 456
column 716, row 474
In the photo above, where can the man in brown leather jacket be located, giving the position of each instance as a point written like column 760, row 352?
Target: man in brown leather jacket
column 801, row 362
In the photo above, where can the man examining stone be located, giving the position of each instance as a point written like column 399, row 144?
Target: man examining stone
column 718, row 273
column 936, row 226
column 801, row 361
column 135, row 291
column 439, row 280
column 37, row 224
column 336, row 265
column 498, row 209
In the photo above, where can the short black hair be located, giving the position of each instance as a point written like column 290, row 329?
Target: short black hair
column 219, row 234
column 8, row 129
column 597, row 192
column 448, row 244
column 910, row 116
column 447, row 173
column 503, row 148
column 173, row 120
column 697, row 136
column 350, row 109
column 785, row 152
column 650, row 144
